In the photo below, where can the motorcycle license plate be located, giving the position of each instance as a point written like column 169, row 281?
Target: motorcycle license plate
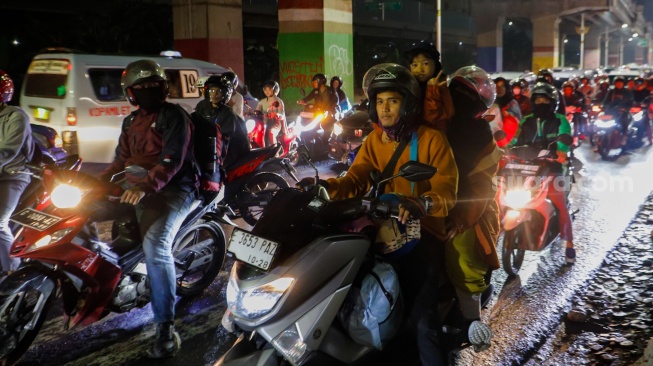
column 252, row 249
column 523, row 167
column 35, row 219
column 308, row 115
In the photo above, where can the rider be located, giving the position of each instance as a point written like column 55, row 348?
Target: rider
column 518, row 87
column 16, row 149
column 546, row 75
column 424, row 61
column 336, row 84
column 619, row 100
column 326, row 100
column 585, row 87
column 273, row 116
column 601, row 91
column 542, row 129
column 473, row 223
column 218, row 90
column 574, row 98
column 157, row 137
column 236, row 100
column 394, row 96
column 640, row 93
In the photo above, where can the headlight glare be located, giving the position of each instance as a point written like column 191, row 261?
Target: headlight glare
column 518, row 198
column 337, row 129
column 250, row 124
column 255, row 302
column 66, row 196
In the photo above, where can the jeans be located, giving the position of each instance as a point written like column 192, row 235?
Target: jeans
column 159, row 216
column 559, row 200
column 10, row 191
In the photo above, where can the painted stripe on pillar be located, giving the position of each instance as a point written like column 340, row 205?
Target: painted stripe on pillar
column 329, row 15
column 300, row 4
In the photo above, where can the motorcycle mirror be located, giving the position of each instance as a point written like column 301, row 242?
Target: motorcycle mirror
column 375, row 175
column 415, row 171
column 488, row 117
column 136, row 171
column 566, row 139
column 302, row 150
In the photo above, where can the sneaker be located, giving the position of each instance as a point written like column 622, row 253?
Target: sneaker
column 570, row 255
column 167, row 341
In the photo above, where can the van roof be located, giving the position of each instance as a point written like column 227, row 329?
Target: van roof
column 123, row 60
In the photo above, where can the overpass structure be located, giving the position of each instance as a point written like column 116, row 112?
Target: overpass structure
column 607, row 25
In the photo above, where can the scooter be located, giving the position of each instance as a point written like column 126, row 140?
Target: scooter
column 248, row 189
column 529, row 219
column 255, row 123
column 349, row 133
column 63, row 257
column 309, row 127
column 578, row 120
column 293, row 273
column 609, row 135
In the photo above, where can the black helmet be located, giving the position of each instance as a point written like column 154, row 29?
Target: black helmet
column 542, row 89
column 393, row 77
column 272, row 85
column 472, row 88
column 639, row 80
column 546, row 74
column 424, row 47
column 223, row 84
column 619, row 78
column 321, row 79
column 338, row 79
column 138, row 72
column 521, row 83
column 231, row 77
column 569, row 84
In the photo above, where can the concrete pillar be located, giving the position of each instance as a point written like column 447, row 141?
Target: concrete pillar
column 489, row 47
column 593, row 50
column 315, row 36
column 210, row 30
column 545, row 41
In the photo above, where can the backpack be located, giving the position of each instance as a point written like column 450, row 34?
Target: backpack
column 206, row 145
column 208, row 150
column 372, row 311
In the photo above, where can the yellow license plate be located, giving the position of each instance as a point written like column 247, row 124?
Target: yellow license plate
column 42, row 114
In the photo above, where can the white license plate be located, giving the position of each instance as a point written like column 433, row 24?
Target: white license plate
column 35, row 219
column 252, row 249
column 532, row 168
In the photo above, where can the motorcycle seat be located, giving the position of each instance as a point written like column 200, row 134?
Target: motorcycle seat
column 254, row 154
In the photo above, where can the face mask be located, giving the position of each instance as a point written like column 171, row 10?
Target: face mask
column 541, row 110
column 149, row 98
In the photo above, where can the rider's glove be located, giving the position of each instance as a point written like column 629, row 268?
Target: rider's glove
column 308, row 183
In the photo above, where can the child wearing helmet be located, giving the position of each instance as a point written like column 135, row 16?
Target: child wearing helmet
column 17, row 149
column 424, row 61
column 542, row 129
column 274, row 114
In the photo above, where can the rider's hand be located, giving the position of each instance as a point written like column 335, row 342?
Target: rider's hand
column 562, row 157
column 414, row 207
column 306, row 184
column 132, row 196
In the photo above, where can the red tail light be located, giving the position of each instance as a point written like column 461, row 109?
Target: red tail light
column 71, row 117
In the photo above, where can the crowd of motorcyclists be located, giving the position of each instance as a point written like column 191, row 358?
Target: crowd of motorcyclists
column 456, row 124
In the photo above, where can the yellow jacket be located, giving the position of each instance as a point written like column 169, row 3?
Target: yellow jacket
column 376, row 151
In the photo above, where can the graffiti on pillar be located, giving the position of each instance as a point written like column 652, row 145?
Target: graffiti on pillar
column 341, row 64
column 298, row 74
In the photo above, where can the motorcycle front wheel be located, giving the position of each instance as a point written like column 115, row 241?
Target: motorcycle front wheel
column 19, row 324
column 199, row 254
column 603, row 147
column 257, row 192
column 512, row 257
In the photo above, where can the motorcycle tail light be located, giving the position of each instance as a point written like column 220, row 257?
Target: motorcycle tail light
column 71, row 118
column 358, row 133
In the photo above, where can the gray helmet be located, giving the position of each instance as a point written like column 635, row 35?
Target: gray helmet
column 139, row 71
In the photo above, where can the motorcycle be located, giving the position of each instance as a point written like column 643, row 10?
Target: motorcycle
column 577, row 119
column 311, row 134
column 63, row 257
column 293, row 273
column 529, row 219
column 248, row 188
column 349, row 133
column 594, row 111
column 609, row 135
column 255, row 123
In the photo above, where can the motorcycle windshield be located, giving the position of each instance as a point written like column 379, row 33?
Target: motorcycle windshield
column 294, row 219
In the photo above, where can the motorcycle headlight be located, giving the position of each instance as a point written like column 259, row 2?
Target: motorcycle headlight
column 638, row 116
column 66, row 196
column 518, row 198
column 337, row 129
column 605, row 123
column 255, row 302
column 250, row 124
column 49, row 239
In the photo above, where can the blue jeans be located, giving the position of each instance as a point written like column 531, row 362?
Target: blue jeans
column 160, row 216
column 10, row 192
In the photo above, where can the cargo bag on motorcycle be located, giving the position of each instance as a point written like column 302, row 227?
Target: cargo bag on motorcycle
column 371, row 313
column 207, row 142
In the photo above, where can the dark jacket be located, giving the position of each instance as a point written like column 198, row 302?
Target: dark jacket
column 16, row 146
column 640, row 95
column 324, row 101
column 576, row 99
column 524, row 104
column 159, row 142
column 234, row 130
column 618, row 98
column 542, row 132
